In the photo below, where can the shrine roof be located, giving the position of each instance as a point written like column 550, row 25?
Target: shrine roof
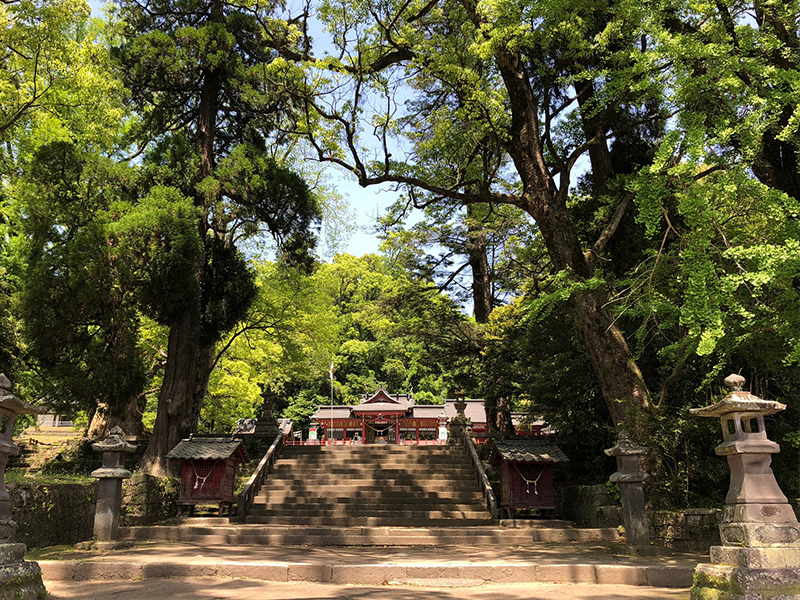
column 383, row 401
column 336, row 412
column 529, row 451
column 475, row 410
column 381, row 407
column 427, row 411
column 211, row 448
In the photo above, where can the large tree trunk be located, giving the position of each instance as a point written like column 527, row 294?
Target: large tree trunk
column 621, row 381
column 479, row 262
column 130, row 421
column 594, row 127
column 188, row 367
column 176, row 414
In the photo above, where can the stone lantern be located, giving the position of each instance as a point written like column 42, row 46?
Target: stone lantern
column 266, row 423
column 631, row 480
column 460, row 423
column 18, row 578
column 109, row 488
column 760, row 552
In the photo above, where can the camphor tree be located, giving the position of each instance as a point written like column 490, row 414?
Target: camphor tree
column 549, row 83
column 506, row 73
column 213, row 102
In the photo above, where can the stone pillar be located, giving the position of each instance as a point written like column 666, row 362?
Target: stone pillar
column 19, row 579
column 631, row 480
column 760, row 553
column 109, row 488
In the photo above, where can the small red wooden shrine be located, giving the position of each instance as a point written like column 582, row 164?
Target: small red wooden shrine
column 526, row 473
column 208, row 475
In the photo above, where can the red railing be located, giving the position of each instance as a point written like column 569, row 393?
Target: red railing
column 296, row 442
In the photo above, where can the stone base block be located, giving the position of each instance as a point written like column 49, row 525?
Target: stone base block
column 8, row 529
column 21, row 581
column 759, row 534
column 756, row 558
column 724, row 582
column 12, row 553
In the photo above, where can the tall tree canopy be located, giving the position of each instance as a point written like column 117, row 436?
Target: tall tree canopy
column 515, row 95
column 204, row 85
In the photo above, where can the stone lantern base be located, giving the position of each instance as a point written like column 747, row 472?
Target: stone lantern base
column 749, row 574
column 769, row 572
column 19, row 579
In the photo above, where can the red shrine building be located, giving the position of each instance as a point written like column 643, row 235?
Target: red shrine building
column 383, row 418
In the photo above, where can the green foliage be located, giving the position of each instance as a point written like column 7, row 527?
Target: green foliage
column 540, row 366
column 157, row 248
column 55, row 82
column 300, row 408
column 80, row 322
column 227, row 289
column 613, row 492
column 265, row 192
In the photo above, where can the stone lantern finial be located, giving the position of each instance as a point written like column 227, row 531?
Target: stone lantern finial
column 734, row 382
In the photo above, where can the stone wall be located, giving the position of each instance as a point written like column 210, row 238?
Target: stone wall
column 63, row 513
column 147, row 499
column 52, row 514
column 588, row 506
column 692, row 529
column 685, row 530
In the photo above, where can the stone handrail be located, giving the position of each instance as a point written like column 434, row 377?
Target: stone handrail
column 480, row 474
column 253, row 485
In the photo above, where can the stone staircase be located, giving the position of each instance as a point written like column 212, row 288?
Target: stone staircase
column 371, row 486
column 373, row 495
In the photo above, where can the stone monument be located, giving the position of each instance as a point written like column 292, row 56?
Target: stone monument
column 631, row 480
column 19, row 579
column 109, row 488
column 760, row 553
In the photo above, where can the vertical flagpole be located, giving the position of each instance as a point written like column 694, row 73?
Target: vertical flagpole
column 330, row 438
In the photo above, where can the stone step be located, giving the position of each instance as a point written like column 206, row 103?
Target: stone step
column 365, row 486
column 396, row 468
column 361, row 485
column 368, row 521
column 321, row 536
column 352, row 465
column 566, row 563
column 350, row 502
column 377, row 511
column 374, row 477
column 371, row 448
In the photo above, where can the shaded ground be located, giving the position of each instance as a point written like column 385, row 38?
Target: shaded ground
column 224, row 589
column 587, row 553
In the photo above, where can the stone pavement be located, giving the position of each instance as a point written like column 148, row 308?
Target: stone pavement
column 230, row 567
column 238, row 589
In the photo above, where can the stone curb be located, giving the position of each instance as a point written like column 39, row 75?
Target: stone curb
column 370, row 574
